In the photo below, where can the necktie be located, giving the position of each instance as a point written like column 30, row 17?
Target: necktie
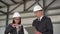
column 38, row 19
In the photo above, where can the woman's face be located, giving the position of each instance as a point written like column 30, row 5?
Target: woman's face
column 17, row 20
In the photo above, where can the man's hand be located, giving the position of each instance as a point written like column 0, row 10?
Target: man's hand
column 36, row 32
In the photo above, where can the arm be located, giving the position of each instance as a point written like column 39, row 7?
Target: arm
column 39, row 26
column 49, row 27
column 8, row 29
column 36, row 27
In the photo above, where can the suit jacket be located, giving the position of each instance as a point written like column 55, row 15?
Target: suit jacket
column 44, row 26
column 12, row 30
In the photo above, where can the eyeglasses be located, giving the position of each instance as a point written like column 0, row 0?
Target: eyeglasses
column 17, row 19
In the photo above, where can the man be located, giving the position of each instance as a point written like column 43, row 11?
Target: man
column 42, row 24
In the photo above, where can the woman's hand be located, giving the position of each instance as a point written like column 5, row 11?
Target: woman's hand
column 14, row 25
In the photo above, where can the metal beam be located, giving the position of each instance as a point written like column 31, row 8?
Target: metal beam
column 7, row 16
column 16, row 7
column 15, row 4
column 50, row 4
column 22, row 12
column 7, row 19
column 33, row 16
column 56, row 22
column 52, row 14
column 53, row 8
column 1, row 7
column 19, row 12
column 3, row 12
column 4, row 3
column 20, row 3
column 44, row 7
column 44, row 4
column 32, row 5
column 14, row 1
column 21, row 17
column 24, row 4
column 37, row 1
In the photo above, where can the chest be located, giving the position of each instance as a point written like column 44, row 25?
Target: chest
column 41, row 23
column 17, row 31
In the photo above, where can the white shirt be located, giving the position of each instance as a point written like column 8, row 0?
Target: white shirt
column 25, row 31
column 40, row 18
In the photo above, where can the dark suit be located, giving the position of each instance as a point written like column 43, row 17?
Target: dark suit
column 44, row 26
column 13, row 30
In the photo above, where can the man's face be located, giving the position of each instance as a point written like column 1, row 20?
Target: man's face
column 38, row 13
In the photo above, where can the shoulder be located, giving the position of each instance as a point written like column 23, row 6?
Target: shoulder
column 35, row 20
column 9, row 25
column 46, row 17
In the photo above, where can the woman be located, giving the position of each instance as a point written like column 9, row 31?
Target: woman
column 15, row 27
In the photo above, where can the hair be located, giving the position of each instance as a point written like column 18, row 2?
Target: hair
column 18, row 23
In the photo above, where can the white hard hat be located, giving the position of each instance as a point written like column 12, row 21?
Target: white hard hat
column 36, row 8
column 16, row 14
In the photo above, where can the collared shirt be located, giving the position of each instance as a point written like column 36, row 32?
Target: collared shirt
column 40, row 18
column 25, row 31
column 18, row 28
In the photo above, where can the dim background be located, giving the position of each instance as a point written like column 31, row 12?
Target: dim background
column 25, row 7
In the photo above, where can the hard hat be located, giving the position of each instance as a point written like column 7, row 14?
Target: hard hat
column 36, row 8
column 16, row 14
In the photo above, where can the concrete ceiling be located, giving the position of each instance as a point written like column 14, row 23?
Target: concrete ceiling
column 50, row 4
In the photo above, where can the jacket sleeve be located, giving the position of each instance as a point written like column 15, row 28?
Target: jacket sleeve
column 49, row 27
column 33, row 23
column 39, row 26
column 8, row 29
